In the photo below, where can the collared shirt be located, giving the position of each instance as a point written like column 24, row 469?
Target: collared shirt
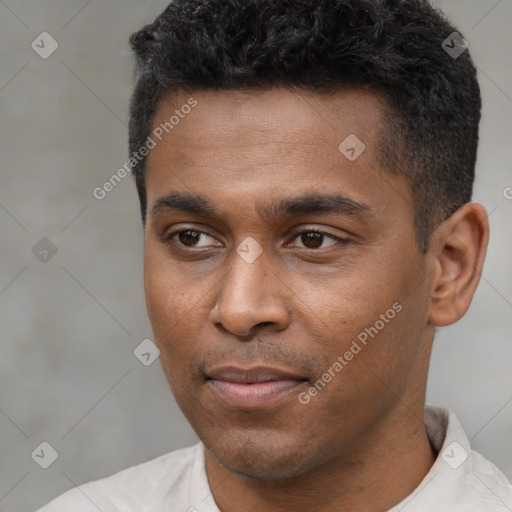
column 461, row 480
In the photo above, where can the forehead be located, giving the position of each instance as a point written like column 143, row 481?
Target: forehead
column 276, row 126
column 250, row 144
column 276, row 114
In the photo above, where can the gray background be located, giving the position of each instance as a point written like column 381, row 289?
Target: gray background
column 68, row 375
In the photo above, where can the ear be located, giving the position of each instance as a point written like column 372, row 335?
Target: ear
column 458, row 248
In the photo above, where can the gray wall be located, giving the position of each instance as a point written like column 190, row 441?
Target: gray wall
column 68, row 375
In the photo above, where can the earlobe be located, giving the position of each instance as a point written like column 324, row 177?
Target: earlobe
column 458, row 247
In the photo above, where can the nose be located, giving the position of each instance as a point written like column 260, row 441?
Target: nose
column 251, row 294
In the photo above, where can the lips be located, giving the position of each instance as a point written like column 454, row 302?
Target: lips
column 252, row 388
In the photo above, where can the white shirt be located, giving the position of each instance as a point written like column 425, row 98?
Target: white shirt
column 461, row 480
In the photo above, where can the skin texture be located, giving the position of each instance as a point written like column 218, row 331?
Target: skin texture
column 360, row 444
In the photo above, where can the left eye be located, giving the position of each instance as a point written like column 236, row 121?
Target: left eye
column 313, row 239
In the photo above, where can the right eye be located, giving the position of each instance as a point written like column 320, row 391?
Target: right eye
column 186, row 238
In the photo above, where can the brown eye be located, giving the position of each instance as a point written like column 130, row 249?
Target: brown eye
column 314, row 239
column 189, row 238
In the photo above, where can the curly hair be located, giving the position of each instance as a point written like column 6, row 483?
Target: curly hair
column 393, row 47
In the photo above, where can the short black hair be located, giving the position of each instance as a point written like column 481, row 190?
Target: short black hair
column 394, row 47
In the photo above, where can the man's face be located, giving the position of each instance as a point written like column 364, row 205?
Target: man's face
column 250, row 307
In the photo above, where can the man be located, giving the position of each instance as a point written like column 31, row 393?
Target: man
column 305, row 173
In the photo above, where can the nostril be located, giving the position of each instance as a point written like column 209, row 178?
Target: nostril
column 262, row 324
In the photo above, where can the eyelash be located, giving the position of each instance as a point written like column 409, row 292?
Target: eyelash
column 298, row 232
column 168, row 239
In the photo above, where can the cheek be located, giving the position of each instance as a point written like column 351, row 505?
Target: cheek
column 165, row 303
column 166, row 300
column 340, row 309
column 178, row 304
column 369, row 319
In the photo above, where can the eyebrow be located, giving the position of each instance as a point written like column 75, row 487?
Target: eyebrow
column 272, row 211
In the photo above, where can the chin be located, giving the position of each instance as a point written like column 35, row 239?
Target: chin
column 261, row 457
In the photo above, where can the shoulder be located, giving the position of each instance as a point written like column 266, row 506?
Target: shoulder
column 491, row 483
column 461, row 479
column 129, row 489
